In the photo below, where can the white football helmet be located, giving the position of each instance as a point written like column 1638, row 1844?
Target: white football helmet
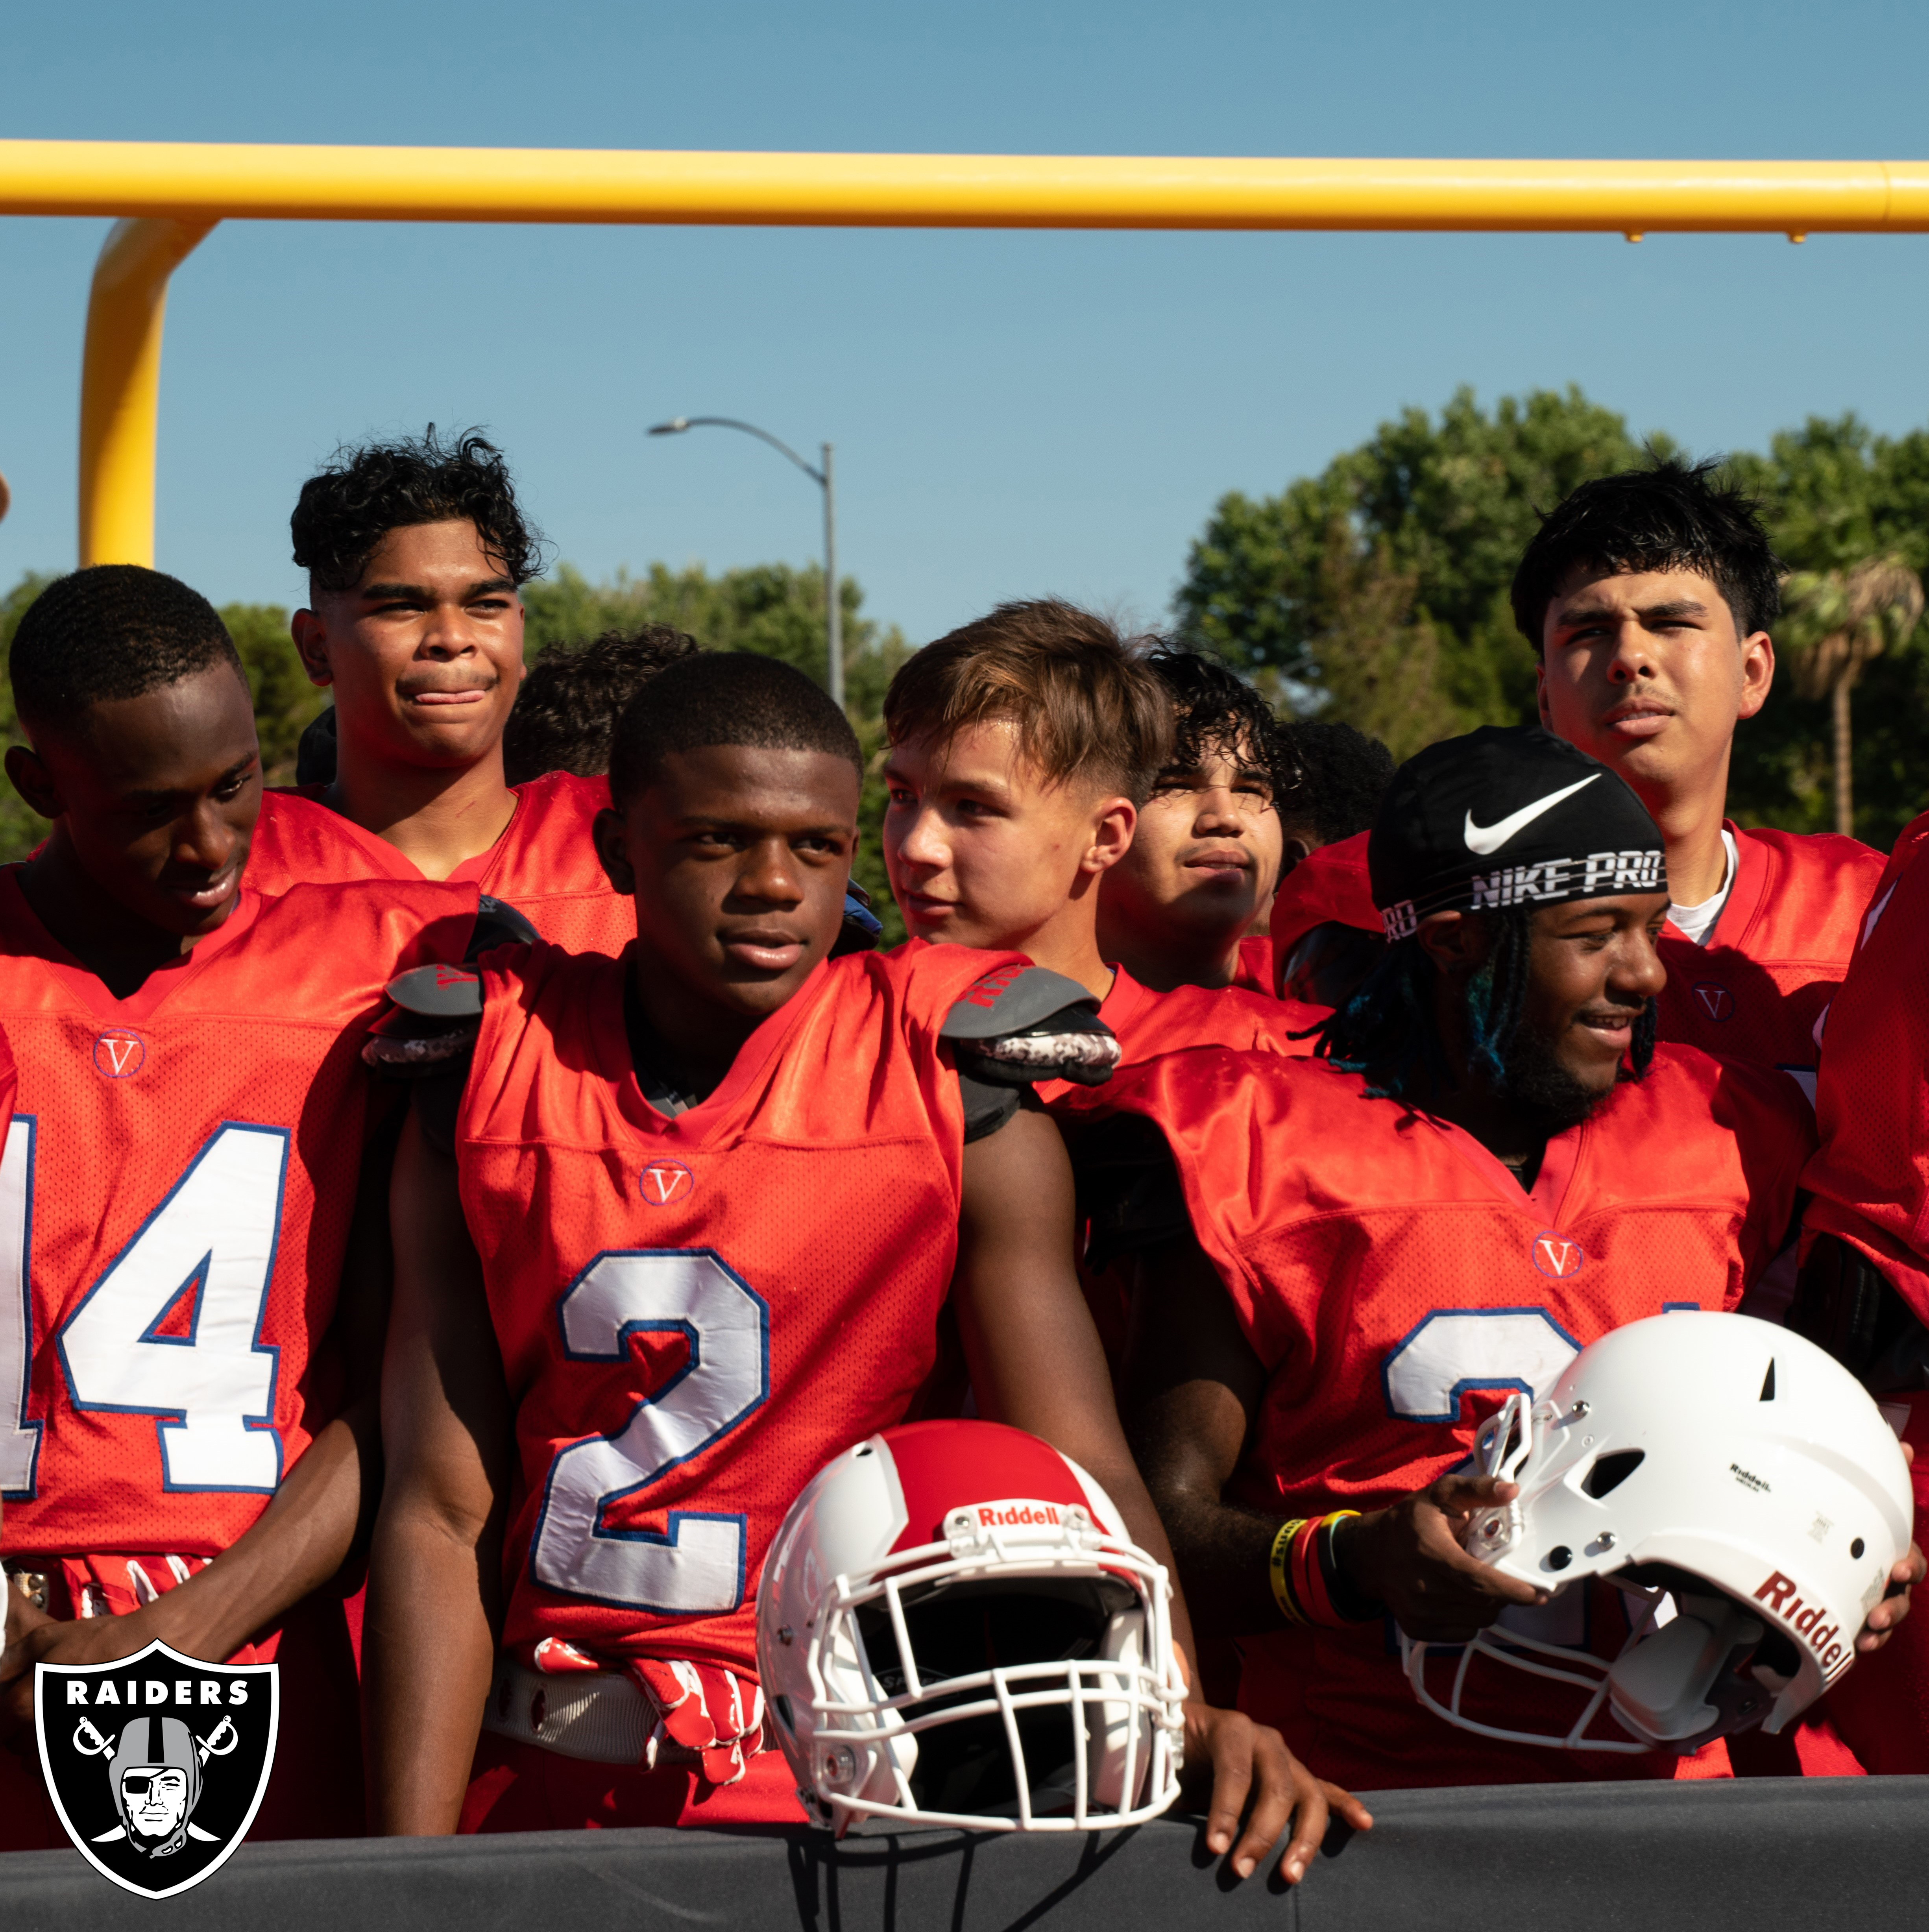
column 953, row 1629
column 1742, row 1488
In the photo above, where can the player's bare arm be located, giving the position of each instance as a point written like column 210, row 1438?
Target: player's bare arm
column 1036, row 1363
column 1193, row 1390
column 429, row 1645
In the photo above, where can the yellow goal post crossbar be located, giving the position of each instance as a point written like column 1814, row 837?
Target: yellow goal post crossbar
column 168, row 195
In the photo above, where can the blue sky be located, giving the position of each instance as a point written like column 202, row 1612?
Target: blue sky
column 1014, row 414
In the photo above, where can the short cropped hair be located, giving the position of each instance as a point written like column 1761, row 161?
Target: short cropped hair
column 1086, row 710
column 346, row 509
column 113, row 631
column 1341, row 777
column 1668, row 515
column 724, row 698
column 566, row 713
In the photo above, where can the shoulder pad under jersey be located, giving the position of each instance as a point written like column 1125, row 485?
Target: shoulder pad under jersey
column 498, row 923
column 1023, row 1024
column 861, row 928
column 434, row 1013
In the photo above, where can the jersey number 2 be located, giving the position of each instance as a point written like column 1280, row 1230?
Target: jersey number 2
column 207, row 1250
column 696, row 1566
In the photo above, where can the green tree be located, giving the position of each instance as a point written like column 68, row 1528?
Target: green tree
column 1840, row 623
column 21, row 828
column 1449, row 504
column 1834, row 495
column 771, row 609
column 285, row 702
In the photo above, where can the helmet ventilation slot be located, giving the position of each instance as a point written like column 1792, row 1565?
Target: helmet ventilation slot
column 1612, row 1470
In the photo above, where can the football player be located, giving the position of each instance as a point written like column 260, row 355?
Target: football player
column 1024, row 750
column 566, row 714
column 1176, row 909
column 415, row 552
column 707, row 1199
column 1648, row 597
column 191, row 1297
column 1493, row 1164
column 1864, row 1292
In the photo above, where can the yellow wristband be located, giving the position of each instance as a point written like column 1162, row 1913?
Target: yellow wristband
column 1275, row 1570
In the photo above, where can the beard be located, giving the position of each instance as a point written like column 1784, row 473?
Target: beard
column 1534, row 1079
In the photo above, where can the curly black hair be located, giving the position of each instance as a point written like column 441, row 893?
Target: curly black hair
column 1667, row 515
column 1387, row 1028
column 1343, row 776
column 347, row 508
column 115, row 630
column 1216, row 712
column 566, row 711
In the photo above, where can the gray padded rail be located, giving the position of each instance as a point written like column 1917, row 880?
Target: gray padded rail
column 1836, row 1852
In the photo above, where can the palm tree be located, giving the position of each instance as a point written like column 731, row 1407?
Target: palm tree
column 1838, row 621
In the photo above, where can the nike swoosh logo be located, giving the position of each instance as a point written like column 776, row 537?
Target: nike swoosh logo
column 1487, row 839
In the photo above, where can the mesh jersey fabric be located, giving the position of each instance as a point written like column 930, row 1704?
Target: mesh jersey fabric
column 814, row 1194
column 229, row 1088
column 1870, row 1184
column 1869, row 1177
column 1395, row 1281
column 544, row 864
column 1753, row 992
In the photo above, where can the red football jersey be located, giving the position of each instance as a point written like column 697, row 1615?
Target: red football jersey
column 696, row 1313
column 175, row 1191
column 1255, row 970
column 1755, row 989
column 544, row 864
column 1395, row 1280
column 1870, row 1181
column 1870, row 1177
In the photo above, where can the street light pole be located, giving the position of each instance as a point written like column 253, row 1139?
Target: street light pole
column 823, row 479
column 833, row 605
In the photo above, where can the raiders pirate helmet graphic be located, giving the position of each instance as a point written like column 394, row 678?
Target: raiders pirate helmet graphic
column 156, row 1763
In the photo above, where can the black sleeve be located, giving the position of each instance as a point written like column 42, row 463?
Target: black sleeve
column 1844, row 1303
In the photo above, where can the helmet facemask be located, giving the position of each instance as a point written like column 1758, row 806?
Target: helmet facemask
column 1748, row 1526
column 994, row 1681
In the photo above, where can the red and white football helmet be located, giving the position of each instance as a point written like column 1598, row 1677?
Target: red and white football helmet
column 954, row 1629
column 1736, row 1482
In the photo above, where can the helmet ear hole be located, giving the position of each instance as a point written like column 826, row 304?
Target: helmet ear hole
column 1611, row 1471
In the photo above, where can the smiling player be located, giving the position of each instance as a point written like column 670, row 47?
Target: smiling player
column 414, row 553
column 1648, row 597
column 1493, row 1164
column 185, row 1224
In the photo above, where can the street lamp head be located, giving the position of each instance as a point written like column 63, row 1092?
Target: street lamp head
column 676, row 426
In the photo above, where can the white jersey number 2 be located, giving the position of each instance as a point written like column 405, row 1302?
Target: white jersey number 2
column 696, row 1566
column 210, row 1243
column 1457, row 1351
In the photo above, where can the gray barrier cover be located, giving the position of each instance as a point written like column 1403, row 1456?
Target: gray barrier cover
column 1751, row 1853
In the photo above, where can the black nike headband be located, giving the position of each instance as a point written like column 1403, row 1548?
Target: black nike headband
column 1506, row 816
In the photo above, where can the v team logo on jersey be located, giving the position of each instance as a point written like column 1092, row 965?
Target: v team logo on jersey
column 156, row 1763
column 120, row 1054
column 1714, row 1000
column 1486, row 840
column 664, row 1182
column 1556, row 1256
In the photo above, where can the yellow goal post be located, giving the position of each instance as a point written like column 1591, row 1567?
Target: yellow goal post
column 168, row 195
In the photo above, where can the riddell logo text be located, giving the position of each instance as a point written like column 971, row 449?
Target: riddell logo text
column 1824, row 1639
column 1013, row 1516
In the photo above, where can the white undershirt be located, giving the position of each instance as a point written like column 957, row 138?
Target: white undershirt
column 1696, row 922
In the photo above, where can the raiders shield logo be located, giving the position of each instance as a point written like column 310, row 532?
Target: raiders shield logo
column 156, row 1763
